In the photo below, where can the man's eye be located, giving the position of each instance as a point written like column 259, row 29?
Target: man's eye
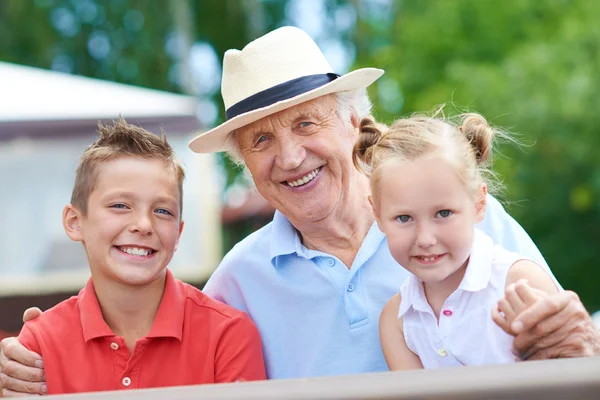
column 444, row 213
column 305, row 124
column 403, row 218
column 261, row 139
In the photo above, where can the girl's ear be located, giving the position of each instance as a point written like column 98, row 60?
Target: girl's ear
column 72, row 219
column 375, row 212
column 480, row 203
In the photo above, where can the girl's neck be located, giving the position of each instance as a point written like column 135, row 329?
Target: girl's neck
column 438, row 292
column 128, row 310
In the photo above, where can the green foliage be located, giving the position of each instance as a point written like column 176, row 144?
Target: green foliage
column 529, row 66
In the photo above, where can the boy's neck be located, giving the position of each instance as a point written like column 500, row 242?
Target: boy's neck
column 128, row 310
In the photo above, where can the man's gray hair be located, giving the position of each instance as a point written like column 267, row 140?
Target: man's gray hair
column 350, row 102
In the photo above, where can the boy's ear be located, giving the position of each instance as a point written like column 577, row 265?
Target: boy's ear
column 181, row 224
column 480, row 203
column 71, row 218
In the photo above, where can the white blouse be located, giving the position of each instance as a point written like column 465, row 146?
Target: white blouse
column 466, row 334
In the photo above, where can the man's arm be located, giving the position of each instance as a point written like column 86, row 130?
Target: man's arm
column 239, row 352
column 507, row 232
column 556, row 326
column 21, row 370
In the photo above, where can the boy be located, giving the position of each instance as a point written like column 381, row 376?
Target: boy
column 134, row 325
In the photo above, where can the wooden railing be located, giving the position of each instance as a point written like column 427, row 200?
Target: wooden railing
column 570, row 379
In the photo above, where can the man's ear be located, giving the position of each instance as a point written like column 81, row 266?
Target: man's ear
column 480, row 203
column 181, row 224
column 354, row 119
column 72, row 219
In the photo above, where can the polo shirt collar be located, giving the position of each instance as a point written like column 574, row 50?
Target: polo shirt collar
column 479, row 271
column 167, row 323
column 92, row 321
column 284, row 238
column 170, row 315
column 413, row 295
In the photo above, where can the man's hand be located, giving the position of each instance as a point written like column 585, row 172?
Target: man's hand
column 21, row 371
column 553, row 326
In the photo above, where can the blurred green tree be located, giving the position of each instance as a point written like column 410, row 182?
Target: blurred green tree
column 529, row 66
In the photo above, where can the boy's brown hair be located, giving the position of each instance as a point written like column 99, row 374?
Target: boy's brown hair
column 121, row 140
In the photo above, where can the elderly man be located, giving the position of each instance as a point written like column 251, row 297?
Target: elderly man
column 316, row 278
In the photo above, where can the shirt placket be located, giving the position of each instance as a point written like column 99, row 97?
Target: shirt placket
column 127, row 366
column 445, row 324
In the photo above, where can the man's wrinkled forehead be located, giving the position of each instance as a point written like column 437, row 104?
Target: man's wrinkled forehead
column 320, row 107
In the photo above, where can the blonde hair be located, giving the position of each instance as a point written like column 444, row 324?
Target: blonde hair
column 121, row 140
column 466, row 144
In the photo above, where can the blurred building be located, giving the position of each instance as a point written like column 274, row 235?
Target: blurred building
column 46, row 121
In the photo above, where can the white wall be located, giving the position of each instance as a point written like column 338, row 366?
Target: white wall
column 36, row 179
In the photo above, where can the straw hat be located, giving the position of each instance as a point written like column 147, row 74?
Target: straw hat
column 279, row 70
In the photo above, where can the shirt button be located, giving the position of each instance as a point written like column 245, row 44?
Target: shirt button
column 442, row 352
column 114, row 346
column 350, row 287
column 126, row 381
column 331, row 262
column 447, row 313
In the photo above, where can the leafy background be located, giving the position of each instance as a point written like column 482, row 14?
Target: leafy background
column 529, row 66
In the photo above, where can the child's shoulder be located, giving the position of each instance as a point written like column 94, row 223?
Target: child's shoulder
column 61, row 315
column 200, row 301
column 51, row 327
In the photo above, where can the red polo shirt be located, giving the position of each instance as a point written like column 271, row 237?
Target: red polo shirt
column 193, row 340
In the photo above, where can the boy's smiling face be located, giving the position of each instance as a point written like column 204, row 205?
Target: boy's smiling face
column 133, row 222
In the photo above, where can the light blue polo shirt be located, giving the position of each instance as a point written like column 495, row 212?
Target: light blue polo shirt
column 316, row 317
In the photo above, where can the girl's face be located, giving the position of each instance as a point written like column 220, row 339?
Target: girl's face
column 428, row 216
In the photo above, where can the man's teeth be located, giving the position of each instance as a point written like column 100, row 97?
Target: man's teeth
column 135, row 251
column 305, row 179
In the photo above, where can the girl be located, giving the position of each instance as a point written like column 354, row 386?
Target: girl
column 428, row 193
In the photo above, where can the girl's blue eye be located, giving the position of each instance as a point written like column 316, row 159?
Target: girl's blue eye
column 403, row 218
column 444, row 213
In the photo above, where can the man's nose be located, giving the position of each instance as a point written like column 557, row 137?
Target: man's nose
column 291, row 154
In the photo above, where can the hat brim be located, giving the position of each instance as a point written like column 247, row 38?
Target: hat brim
column 219, row 138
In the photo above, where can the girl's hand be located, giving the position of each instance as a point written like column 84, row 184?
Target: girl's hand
column 517, row 298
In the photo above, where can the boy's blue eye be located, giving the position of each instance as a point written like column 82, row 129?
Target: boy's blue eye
column 119, row 205
column 444, row 213
column 163, row 211
column 403, row 218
